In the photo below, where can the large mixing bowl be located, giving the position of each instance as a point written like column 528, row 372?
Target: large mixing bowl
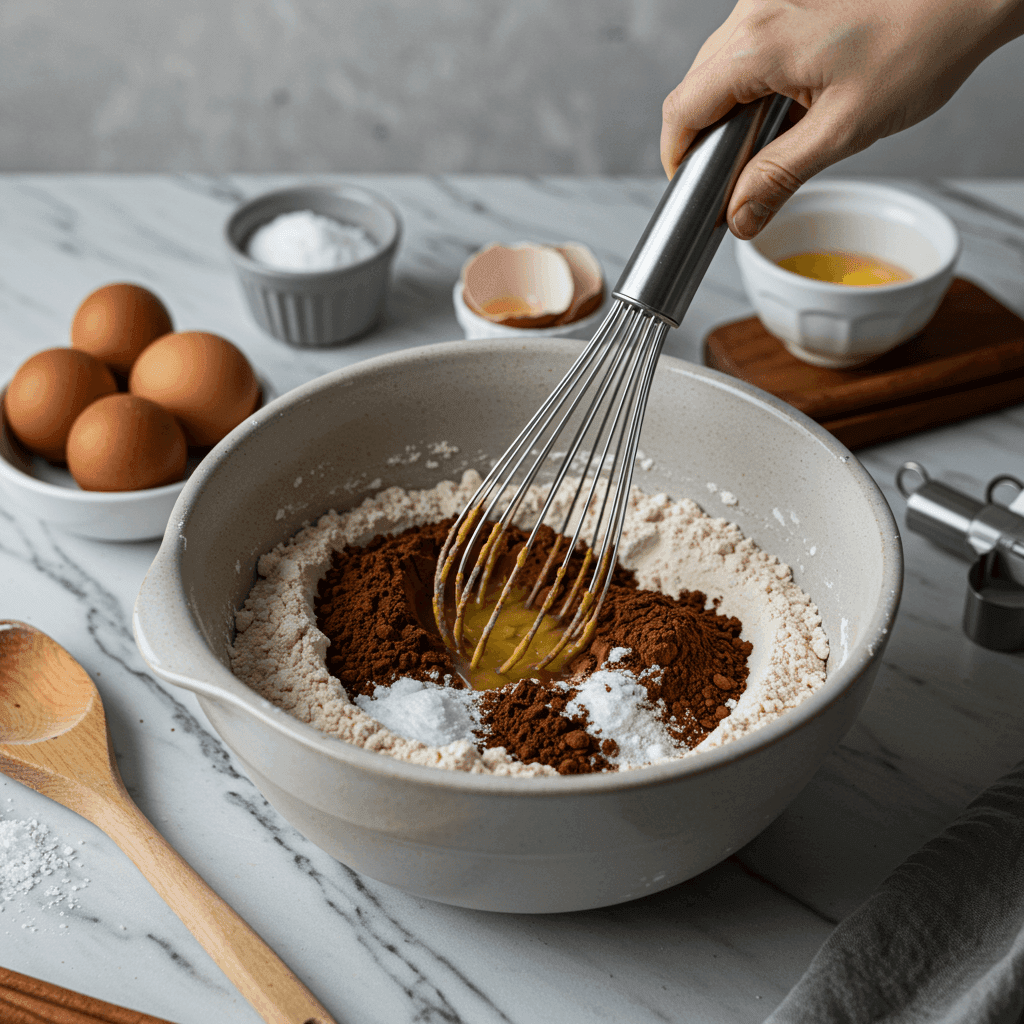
column 499, row 843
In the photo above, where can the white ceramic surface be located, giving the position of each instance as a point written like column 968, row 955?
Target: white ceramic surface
column 478, row 328
column 840, row 325
column 510, row 844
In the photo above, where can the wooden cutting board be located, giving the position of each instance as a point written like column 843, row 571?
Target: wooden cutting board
column 968, row 360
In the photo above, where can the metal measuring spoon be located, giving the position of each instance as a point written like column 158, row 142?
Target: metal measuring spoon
column 53, row 739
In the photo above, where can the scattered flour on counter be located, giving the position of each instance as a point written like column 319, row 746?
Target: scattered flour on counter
column 30, row 855
column 670, row 546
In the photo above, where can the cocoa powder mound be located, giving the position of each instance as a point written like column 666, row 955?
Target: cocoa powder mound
column 374, row 605
column 529, row 720
column 703, row 661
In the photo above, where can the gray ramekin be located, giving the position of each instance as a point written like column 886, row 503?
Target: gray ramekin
column 320, row 308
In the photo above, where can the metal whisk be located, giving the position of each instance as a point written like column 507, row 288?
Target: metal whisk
column 597, row 410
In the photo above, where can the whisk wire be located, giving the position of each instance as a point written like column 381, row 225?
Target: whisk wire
column 465, row 539
column 627, row 354
column 581, row 629
column 617, row 369
column 599, row 405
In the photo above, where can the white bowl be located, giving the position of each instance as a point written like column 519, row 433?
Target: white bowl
column 48, row 492
column 478, row 328
column 497, row 843
column 840, row 325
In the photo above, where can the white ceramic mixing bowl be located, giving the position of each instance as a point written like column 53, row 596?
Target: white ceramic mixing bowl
column 500, row 843
column 840, row 325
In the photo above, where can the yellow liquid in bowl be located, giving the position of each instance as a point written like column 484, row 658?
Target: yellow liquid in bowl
column 845, row 268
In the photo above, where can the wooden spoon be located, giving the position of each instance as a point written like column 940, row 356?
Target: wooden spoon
column 53, row 739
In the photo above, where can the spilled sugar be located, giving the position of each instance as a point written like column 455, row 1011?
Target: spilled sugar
column 31, row 857
column 613, row 701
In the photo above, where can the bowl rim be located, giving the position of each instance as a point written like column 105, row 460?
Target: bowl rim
column 747, row 249
column 344, row 190
column 162, row 598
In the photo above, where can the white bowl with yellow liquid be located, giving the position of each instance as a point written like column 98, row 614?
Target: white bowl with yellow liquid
column 877, row 232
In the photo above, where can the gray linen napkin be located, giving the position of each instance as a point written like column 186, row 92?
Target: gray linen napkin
column 942, row 939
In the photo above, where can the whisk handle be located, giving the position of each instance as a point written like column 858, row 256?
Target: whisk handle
column 676, row 248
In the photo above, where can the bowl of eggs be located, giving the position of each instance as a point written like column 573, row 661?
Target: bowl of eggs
column 848, row 270
column 97, row 438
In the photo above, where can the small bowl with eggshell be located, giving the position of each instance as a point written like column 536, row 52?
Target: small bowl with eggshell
column 314, row 261
column 530, row 290
column 848, row 270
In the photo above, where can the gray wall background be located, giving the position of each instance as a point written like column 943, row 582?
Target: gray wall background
column 401, row 85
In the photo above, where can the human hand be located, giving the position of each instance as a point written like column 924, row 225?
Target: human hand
column 859, row 69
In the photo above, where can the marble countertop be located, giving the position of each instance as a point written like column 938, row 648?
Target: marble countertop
column 943, row 720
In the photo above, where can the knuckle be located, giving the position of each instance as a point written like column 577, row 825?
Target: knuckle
column 670, row 106
column 782, row 182
column 759, row 29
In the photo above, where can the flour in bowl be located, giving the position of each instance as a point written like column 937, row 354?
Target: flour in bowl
column 670, row 547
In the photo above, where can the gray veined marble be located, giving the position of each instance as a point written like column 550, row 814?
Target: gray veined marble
column 944, row 720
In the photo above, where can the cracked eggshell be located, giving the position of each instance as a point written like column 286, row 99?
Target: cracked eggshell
column 588, row 282
column 525, row 285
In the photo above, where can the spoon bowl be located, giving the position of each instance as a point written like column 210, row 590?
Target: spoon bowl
column 54, row 739
column 44, row 692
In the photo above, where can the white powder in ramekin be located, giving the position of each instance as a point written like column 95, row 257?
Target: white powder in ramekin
column 305, row 241
column 670, row 545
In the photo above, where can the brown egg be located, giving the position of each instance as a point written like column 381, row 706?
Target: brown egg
column 116, row 322
column 48, row 392
column 124, row 443
column 202, row 379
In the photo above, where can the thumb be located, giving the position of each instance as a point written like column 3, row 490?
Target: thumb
column 819, row 139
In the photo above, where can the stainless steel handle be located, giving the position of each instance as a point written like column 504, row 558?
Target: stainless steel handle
column 675, row 250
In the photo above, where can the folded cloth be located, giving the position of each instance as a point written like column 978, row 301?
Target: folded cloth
column 942, row 939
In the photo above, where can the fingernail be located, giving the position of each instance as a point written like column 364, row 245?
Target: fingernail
column 750, row 218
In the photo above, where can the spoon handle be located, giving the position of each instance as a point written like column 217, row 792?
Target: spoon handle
column 253, row 967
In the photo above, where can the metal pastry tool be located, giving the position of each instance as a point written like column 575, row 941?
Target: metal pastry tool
column 989, row 534
column 591, row 422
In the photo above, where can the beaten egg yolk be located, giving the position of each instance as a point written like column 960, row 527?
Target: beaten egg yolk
column 514, row 622
column 845, row 268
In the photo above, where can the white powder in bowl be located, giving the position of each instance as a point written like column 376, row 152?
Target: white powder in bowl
column 670, row 545
column 617, row 707
column 305, row 241
column 424, row 710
